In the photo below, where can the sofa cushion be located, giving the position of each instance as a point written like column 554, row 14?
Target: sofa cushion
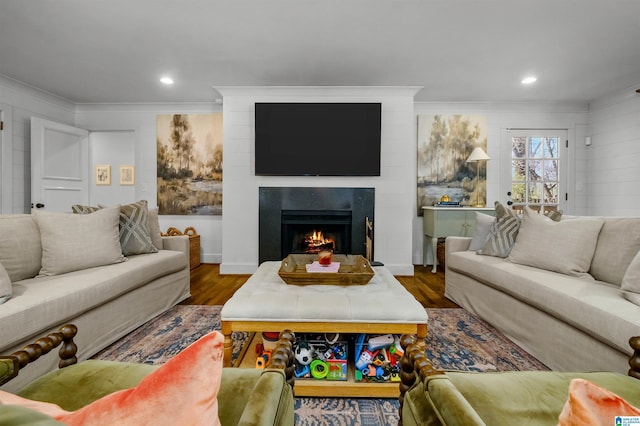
column 72, row 242
column 20, row 248
column 631, row 281
column 591, row 405
column 566, row 246
column 5, row 285
column 15, row 415
column 74, row 293
column 595, row 307
column 514, row 397
column 503, row 233
column 182, row 391
column 618, row 243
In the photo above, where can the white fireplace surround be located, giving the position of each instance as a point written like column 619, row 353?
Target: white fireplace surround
column 395, row 200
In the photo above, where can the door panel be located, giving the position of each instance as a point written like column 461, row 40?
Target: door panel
column 59, row 165
column 6, row 161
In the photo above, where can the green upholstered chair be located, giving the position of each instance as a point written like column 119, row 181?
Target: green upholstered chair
column 430, row 397
column 247, row 396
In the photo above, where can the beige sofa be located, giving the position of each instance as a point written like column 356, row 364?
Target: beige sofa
column 567, row 292
column 63, row 269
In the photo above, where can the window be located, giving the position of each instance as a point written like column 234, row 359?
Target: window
column 536, row 169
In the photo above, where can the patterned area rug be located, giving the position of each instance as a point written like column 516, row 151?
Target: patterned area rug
column 457, row 341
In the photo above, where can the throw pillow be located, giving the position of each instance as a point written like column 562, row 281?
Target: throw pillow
column 182, row 391
column 590, row 405
column 482, row 230
column 502, row 234
column 566, row 246
column 5, row 285
column 154, row 228
column 71, row 242
column 79, row 209
column 134, row 229
column 631, row 281
column 135, row 235
column 618, row 243
column 20, row 247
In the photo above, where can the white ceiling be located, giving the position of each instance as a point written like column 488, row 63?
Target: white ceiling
column 112, row 51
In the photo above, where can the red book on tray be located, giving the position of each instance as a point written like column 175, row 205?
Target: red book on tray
column 316, row 267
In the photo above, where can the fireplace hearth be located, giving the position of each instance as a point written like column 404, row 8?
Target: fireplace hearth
column 305, row 220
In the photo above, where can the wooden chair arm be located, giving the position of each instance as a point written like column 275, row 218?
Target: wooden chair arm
column 413, row 364
column 634, row 361
column 42, row 346
column 282, row 356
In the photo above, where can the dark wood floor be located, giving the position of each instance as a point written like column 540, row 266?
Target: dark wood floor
column 209, row 287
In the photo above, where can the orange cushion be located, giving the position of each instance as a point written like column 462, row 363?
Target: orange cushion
column 591, row 405
column 182, row 391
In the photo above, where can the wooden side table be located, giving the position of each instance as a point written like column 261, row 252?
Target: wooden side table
column 440, row 222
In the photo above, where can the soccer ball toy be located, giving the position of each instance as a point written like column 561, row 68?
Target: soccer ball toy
column 304, row 354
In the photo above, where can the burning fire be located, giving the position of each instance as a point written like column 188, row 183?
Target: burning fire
column 316, row 241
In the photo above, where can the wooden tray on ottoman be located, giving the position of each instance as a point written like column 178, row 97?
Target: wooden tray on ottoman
column 354, row 270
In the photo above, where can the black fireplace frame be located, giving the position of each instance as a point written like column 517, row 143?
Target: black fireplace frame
column 273, row 200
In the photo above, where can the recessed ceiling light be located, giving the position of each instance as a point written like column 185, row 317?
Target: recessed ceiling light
column 529, row 80
column 166, row 80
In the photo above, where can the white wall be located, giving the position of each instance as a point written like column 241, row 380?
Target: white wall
column 140, row 121
column 115, row 148
column 572, row 117
column 23, row 102
column 394, row 194
column 613, row 159
column 604, row 178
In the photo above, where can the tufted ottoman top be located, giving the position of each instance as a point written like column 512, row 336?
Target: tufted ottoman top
column 265, row 297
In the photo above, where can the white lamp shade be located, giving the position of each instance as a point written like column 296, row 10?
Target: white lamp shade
column 477, row 154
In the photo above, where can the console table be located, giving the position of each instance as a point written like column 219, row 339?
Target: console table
column 383, row 306
column 440, row 222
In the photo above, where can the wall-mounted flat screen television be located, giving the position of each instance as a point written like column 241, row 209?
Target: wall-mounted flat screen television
column 317, row 139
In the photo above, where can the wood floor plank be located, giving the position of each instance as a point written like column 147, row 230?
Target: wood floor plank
column 209, row 287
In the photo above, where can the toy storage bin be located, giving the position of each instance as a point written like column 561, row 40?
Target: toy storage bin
column 317, row 358
column 377, row 358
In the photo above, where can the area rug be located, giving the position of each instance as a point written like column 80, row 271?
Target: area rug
column 457, row 340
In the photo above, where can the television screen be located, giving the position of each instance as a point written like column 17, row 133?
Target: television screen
column 317, row 139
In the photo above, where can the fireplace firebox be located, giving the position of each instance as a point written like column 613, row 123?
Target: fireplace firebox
column 310, row 231
column 307, row 219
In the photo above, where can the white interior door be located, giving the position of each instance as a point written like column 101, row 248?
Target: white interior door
column 60, row 165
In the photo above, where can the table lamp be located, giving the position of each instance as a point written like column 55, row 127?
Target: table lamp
column 476, row 156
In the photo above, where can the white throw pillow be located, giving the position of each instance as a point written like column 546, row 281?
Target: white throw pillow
column 154, row 228
column 71, row 242
column 482, row 231
column 20, row 248
column 566, row 246
column 631, row 281
column 5, row 285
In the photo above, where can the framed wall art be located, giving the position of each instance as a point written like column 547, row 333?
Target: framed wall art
column 445, row 143
column 103, row 174
column 189, row 160
column 127, row 175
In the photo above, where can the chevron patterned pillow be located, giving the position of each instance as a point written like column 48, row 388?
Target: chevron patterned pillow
column 503, row 233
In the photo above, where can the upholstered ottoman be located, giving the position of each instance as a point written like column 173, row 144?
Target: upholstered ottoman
column 266, row 303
